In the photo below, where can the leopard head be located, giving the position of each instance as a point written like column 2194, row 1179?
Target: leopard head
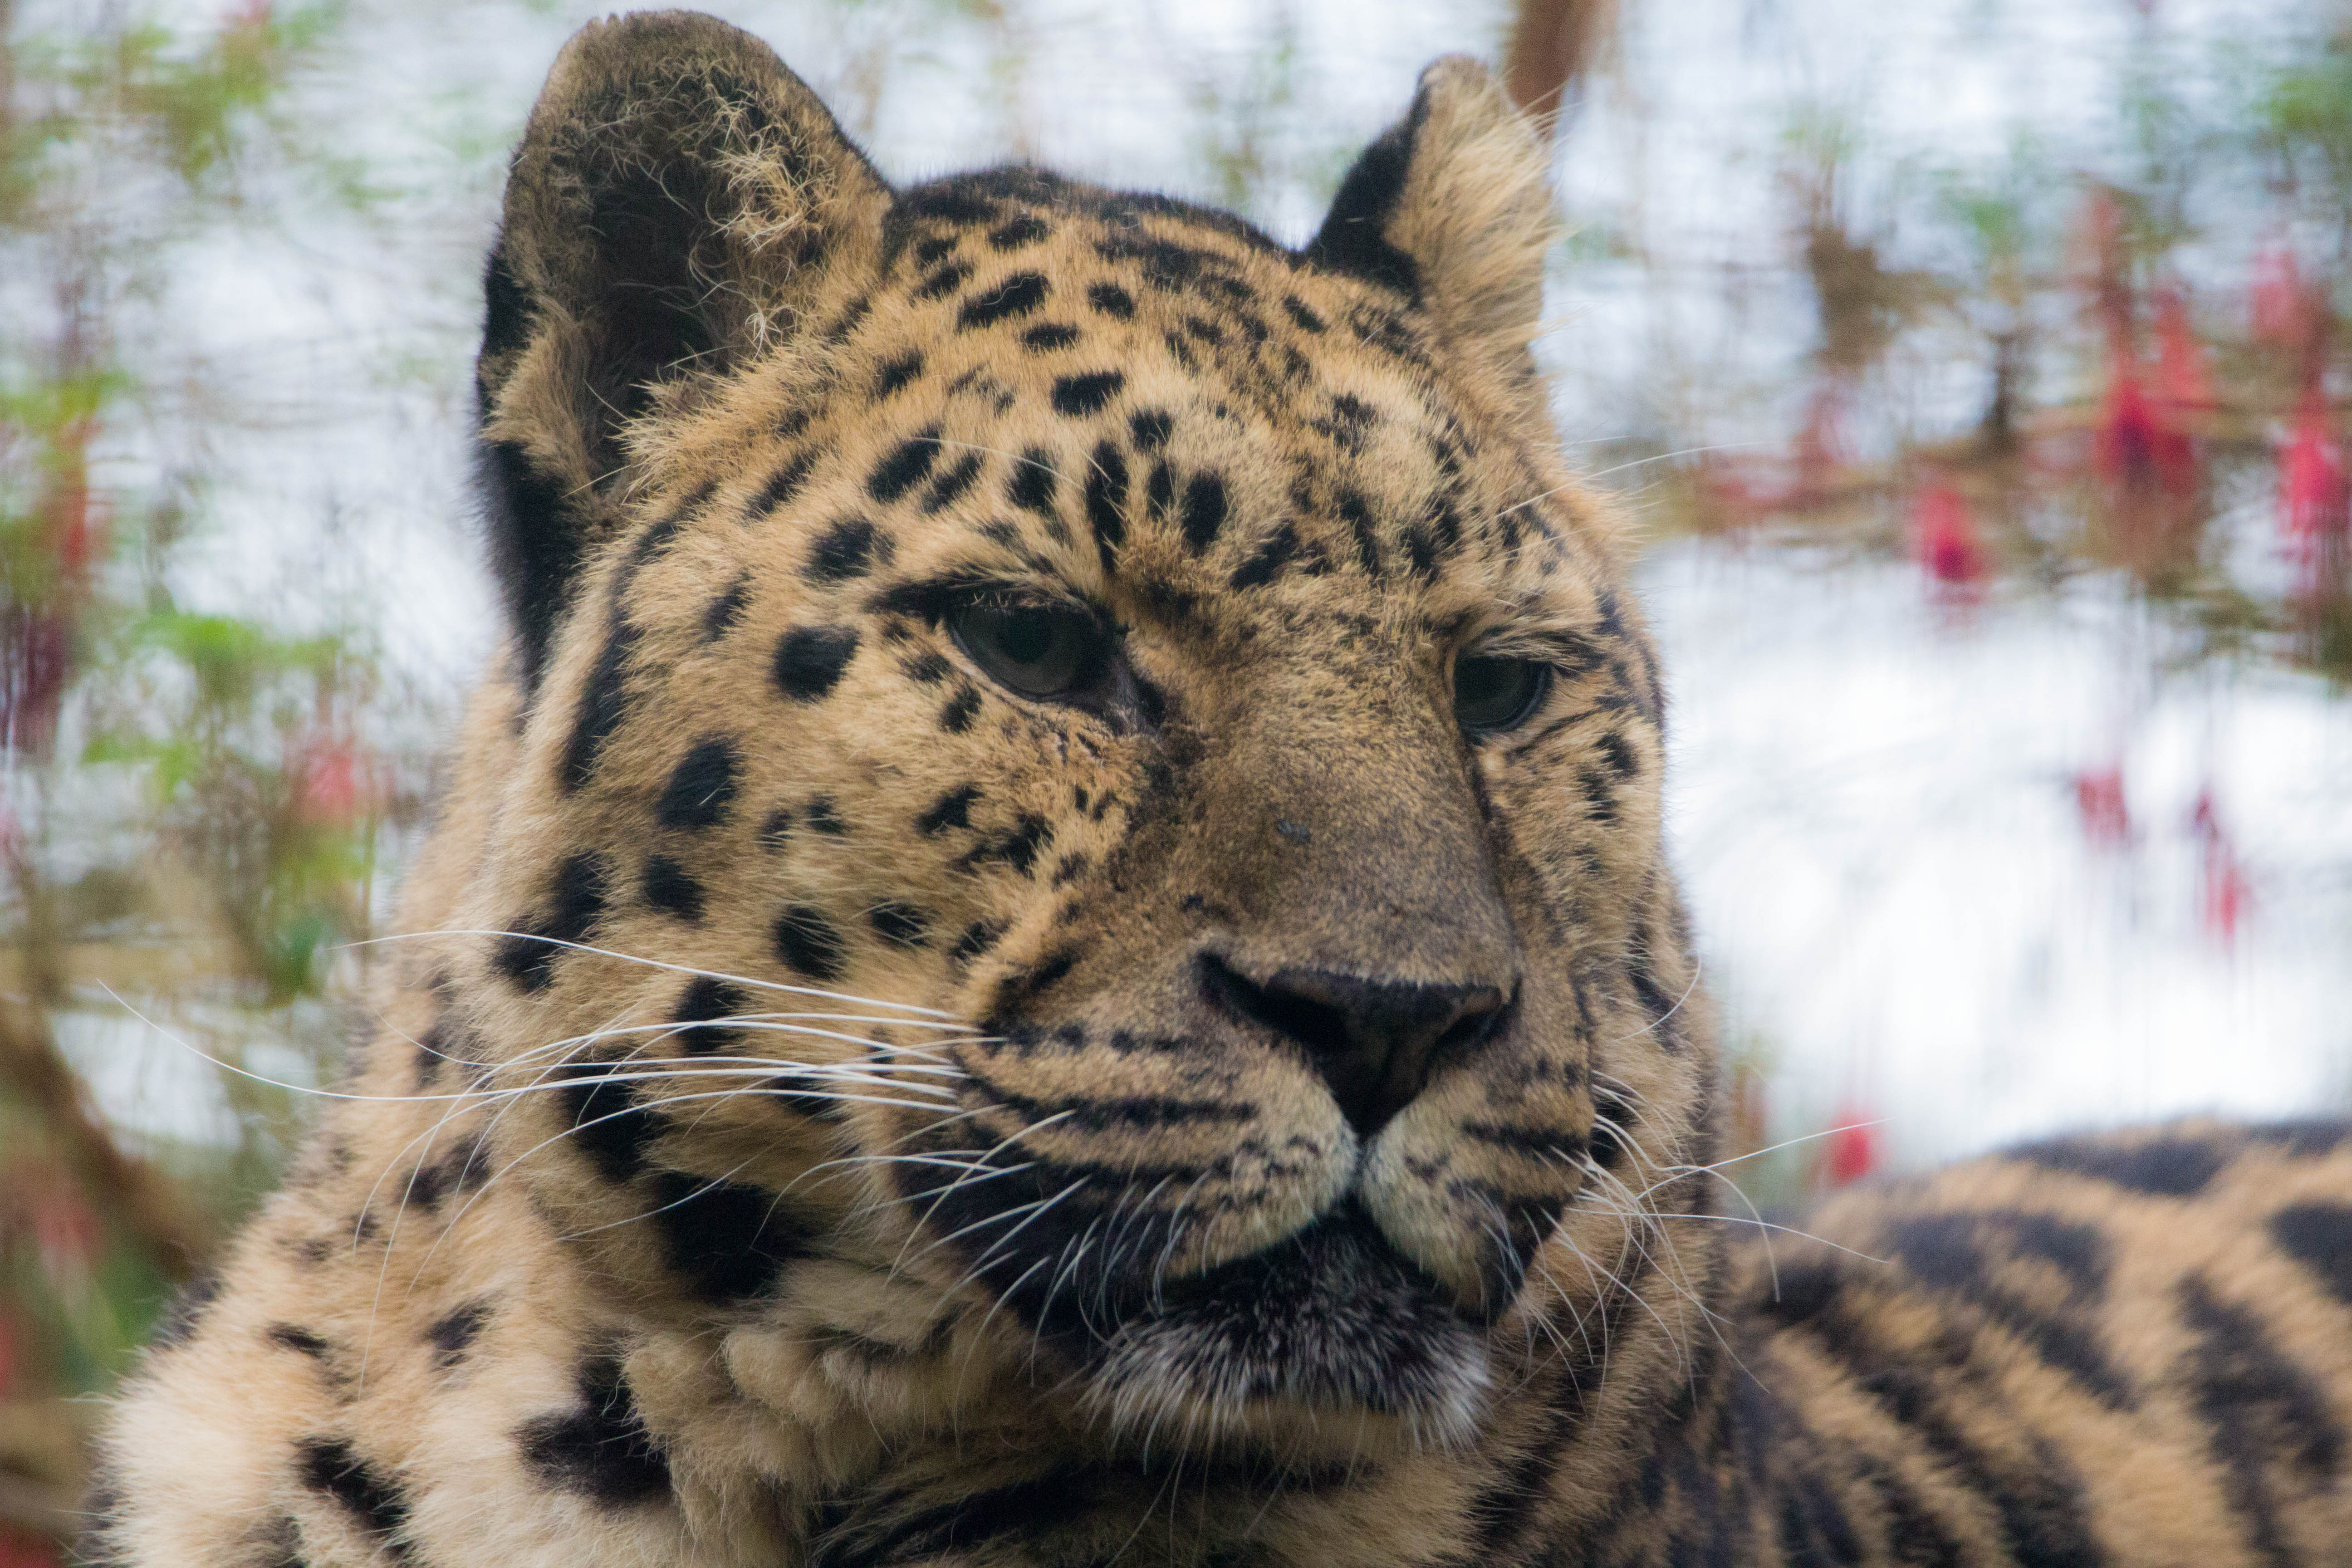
column 1062, row 751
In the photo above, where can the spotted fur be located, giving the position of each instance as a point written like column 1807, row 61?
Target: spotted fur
column 838, row 1110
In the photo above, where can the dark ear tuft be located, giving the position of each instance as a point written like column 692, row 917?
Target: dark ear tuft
column 1451, row 207
column 679, row 200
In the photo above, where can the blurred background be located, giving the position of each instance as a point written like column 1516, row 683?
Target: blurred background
column 1970, row 369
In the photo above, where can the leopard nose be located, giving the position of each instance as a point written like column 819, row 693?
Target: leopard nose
column 1373, row 1041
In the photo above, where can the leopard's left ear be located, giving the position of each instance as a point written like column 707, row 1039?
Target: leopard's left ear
column 1451, row 207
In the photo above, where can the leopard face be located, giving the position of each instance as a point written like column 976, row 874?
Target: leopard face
column 1063, row 754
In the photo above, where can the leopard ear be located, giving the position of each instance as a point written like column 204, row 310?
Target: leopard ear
column 1451, row 207
column 679, row 199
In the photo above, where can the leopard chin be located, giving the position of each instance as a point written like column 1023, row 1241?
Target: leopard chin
column 1328, row 1340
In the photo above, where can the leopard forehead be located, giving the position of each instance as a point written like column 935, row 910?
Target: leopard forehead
column 1145, row 403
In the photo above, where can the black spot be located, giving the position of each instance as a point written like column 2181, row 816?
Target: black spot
column 722, row 615
column 782, row 485
column 977, row 939
column 1421, row 556
column 1350, row 423
column 1267, row 559
column 1017, row 296
column 1357, row 516
column 943, row 281
column 600, row 1450
column 1106, row 494
column 953, row 483
column 601, row 707
column 1017, row 232
column 729, row 1241
column 897, row 373
column 1111, row 300
column 1160, row 490
column 1150, row 429
column 464, row 1169
column 901, row 925
column 1016, row 848
column 1205, row 511
column 2319, row 1236
column 850, row 547
column 452, row 1336
column 608, row 1125
column 708, row 998
column 851, row 317
column 825, row 817
column 1302, row 313
column 1617, row 753
column 2162, row 1167
column 672, row 889
column 329, row 1465
column 1077, row 396
column 301, row 1341
column 929, row 251
column 1034, row 482
column 528, row 955
column 810, row 660
column 905, row 466
column 960, row 711
column 952, row 809
column 428, row 1186
column 702, row 788
column 1047, row 336
column 810, row 944
column 927, row 668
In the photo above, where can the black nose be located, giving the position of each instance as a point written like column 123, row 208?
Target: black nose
column 1373, row 1040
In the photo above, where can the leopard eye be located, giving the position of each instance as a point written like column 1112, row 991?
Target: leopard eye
column 1031, row 650
column 1491, row 695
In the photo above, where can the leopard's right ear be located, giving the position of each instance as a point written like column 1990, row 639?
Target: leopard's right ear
column 679, row 200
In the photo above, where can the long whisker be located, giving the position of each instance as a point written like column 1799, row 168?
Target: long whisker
column 661, row 964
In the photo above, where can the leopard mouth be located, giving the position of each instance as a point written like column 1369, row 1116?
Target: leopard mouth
column 1331, row 1320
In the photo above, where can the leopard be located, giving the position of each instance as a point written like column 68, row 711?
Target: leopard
column 1051, row 942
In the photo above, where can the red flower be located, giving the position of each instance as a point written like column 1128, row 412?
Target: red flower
column 2182, row 380
column 333, row 783
column 2137, row 445
column 2099, row 799
column 2312, row 481
column 2224, row 890
column 1849, row 1152
column 1943, row 533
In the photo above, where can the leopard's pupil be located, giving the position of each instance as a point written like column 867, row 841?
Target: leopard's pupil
column 1026, row 638
column 1039, row 653
column 1491, row 694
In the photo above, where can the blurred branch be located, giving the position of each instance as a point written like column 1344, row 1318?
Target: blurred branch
column 1553, row 45
column 137, row 1195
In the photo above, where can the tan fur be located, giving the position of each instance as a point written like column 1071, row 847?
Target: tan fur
column 1353, row 1060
